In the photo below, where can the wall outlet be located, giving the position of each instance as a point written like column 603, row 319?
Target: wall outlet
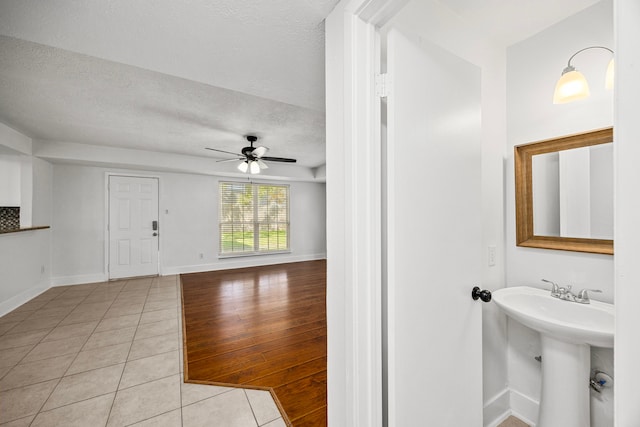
column 491, row 255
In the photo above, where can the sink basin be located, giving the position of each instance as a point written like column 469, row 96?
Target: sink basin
column 571, row 322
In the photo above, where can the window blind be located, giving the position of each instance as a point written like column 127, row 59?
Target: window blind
column 254, row 218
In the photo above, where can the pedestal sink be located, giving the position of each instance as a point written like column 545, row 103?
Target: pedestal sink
column 568, row 329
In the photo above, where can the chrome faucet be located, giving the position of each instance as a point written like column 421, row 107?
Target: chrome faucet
column 555, row 289
column 565, row 294
column 583, row 296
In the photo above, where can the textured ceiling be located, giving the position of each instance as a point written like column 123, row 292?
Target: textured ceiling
column 53, row 94
column 180, row 75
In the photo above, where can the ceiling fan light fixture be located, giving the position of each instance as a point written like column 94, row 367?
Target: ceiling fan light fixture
column 262, row 164
column 254, row 167
column 243, row 167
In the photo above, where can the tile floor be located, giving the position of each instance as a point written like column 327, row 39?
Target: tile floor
column 110, row 354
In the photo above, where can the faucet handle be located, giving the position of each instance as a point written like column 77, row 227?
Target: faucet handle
column 583, row 295
column 554, row 286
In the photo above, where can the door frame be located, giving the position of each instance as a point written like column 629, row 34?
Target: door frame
column 107, row 242
column 354, row 212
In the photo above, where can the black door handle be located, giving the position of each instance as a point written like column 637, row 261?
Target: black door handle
column 484, row 295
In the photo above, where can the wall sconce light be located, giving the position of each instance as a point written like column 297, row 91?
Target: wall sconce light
column 573, row 86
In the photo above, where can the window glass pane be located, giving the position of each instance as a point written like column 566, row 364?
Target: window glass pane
column 254, row 218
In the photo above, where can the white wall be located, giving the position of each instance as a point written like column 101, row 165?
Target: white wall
column 533, row 66
column 9, row 180
column 25, row 260
column 188, row 223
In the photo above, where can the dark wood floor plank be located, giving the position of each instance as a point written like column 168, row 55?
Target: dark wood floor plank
column 261, row 327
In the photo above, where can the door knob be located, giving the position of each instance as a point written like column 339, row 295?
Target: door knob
column 154, row 234
column 484, row 295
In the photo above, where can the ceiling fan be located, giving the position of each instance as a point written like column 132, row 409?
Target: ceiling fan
column 252, row 157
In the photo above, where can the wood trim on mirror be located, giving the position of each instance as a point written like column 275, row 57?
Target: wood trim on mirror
column 524, row 193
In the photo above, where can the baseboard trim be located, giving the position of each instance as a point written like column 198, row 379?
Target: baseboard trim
column 78, row 280
column 241, row 262
column 524, row 407
column 497, row 409
column 510, row 402
column 23, row 297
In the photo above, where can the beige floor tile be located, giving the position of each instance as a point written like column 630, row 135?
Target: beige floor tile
column 7, row 326
column 37, row 323
column 145, row 401
column 263, row 406
column 92, row 307
column 169, row 419
column 98, row 296
column 52, row 311
column 160, row 305
column 228, row 409
column 49, row 349
column 106, row 338
column 154, row 345
column 117, row 310
column 24, row 401
column 22, row 422
column 513, row 422
column 162, row 327
column 162, row 295
column 11, row 340
column 30, row 306
column 68, row 331
column 149, row 369
column 82, row 317
column 74, row 388
column 11, row 356
column 99, row 358
column 91, row 412
column 276, row 423
column 62, row 301
column 16, row 316
column 158, row 315
column 192, row 393
column 119, row 322
column 36, row 372
column 4, row 370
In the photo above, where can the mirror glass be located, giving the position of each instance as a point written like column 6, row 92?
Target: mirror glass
column 564, row 193
column 573, row 192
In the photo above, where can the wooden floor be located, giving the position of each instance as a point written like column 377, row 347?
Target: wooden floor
column 263, row 327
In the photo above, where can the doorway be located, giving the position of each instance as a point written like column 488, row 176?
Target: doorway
column 133, row 227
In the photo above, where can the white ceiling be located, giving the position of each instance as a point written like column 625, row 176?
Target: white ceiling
column 180, row 75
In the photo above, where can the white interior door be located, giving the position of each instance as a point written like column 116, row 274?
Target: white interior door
column 434, row 255
column 133, row 226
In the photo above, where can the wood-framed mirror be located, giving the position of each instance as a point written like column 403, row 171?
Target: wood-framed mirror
column 564, row 193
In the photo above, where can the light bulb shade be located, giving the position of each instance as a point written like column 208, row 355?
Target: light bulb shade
column 570, row 87
column 243, row 167
column 262, row 164
column 254, row 167
column 608, row 82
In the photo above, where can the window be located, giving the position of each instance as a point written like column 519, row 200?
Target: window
column 254, row 218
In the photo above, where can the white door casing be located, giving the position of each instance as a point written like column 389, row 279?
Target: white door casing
column 434, row 235
column 133, row 242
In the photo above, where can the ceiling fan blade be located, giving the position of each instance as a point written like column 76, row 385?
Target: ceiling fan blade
column 229, row 160
column 222, row 151
column 279, row 159
column 260, row 151
column 262, row 164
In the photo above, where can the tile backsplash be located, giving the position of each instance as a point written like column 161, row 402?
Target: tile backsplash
column 9, row 217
